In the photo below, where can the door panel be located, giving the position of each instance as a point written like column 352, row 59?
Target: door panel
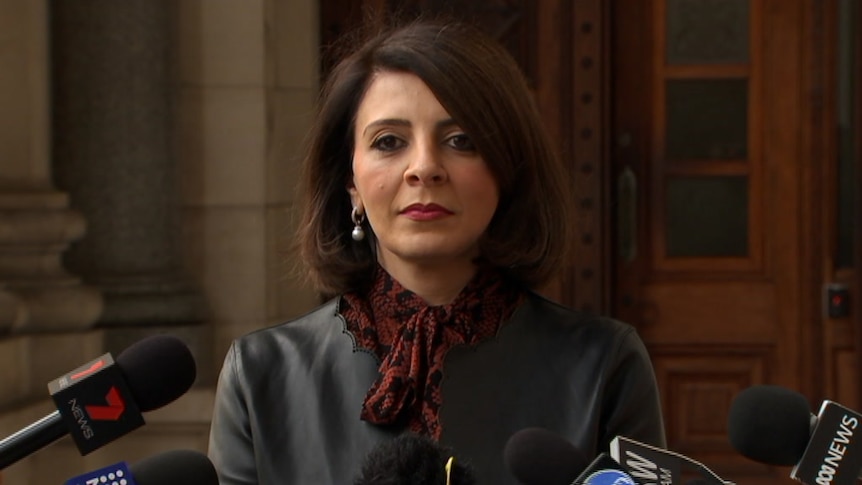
column 718, row 116
column 709, row 103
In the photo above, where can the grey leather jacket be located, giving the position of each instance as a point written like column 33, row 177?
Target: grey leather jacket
column 289, row 397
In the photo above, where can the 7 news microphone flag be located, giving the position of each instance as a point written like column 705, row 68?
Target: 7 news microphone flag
column 96, row 403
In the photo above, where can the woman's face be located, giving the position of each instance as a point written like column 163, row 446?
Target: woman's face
column 427, row 193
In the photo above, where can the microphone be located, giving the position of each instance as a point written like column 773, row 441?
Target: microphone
column 770, row 424
column 103, row 400
column 774, row 425
column 177, row 467
column 413, row 459
column 536, row 456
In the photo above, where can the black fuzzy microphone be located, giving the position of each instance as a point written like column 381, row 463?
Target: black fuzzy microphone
column 770, row 424
column 412, row 459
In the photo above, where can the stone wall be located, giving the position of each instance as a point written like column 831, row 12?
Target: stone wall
column 148, row 151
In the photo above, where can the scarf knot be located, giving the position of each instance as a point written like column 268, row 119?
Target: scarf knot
column 411, row 338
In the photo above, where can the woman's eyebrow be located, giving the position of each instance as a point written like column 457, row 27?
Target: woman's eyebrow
column 440, row 125
column 447, row 123
column 386, row 122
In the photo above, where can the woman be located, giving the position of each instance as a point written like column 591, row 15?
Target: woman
column 433, row 206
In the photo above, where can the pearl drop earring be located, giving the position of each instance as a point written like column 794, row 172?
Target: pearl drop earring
column 358, row 233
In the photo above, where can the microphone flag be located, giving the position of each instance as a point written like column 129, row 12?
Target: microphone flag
column 116, row 474
column 604, row 470
column 95, row 403
column 833, row 455
column 650, row 465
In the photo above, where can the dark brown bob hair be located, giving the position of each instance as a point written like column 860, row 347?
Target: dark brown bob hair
column 482, row 88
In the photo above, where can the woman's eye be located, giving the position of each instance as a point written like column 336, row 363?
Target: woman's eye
column 462, row 143
column 387, row 143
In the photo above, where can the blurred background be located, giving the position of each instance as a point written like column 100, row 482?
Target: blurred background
column 149, row 153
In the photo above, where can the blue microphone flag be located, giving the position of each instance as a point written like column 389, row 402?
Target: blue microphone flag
column 604, row 470
column 116, row 474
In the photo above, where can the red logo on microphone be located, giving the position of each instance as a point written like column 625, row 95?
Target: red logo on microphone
column 112, row 411
column 93, row 368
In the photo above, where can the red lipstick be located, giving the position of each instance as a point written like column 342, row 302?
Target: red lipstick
column 426, row 212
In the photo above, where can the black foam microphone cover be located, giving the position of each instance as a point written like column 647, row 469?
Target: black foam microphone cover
column 770, row 424
column 413, row 459
column 158, row 369
column 536, row 456
column 176, row 467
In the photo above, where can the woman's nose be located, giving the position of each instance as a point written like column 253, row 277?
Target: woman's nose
column 426, row 166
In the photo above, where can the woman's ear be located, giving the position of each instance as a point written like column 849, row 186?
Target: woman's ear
column 355, row 200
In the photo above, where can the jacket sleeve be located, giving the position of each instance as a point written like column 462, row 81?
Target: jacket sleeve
column 231, row 448
column 632, row 406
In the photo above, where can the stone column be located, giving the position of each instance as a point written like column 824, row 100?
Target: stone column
column 36, row 223
column 113, row 154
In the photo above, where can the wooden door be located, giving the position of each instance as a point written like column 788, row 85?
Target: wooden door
column 719, row 145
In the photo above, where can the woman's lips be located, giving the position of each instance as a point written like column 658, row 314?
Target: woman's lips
column 423, row 212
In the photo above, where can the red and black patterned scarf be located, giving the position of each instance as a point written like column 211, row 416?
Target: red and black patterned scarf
column 411, row 339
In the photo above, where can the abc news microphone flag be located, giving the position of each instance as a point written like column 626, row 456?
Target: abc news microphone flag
column 833, row 455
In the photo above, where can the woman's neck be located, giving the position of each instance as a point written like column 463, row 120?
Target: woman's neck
column 437, row 284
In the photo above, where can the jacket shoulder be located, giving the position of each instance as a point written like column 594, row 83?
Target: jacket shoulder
column 327, row 313
column 311, row 330
column 541, row 312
